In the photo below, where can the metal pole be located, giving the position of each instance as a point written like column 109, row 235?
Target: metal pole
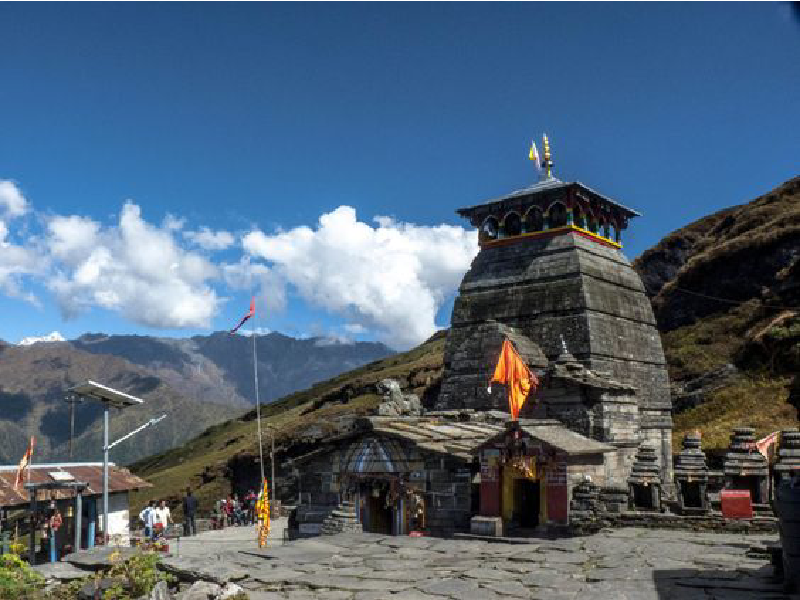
column 272, row 454
column 71, row 424
column 258, row 407
column 77, row 522
column 105, row 474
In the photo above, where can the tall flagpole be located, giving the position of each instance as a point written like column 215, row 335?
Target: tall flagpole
column 258, row 406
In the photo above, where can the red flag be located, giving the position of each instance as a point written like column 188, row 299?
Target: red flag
column 23, row 463
column 250, row 313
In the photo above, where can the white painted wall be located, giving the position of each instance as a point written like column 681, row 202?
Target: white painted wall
column 118, row 518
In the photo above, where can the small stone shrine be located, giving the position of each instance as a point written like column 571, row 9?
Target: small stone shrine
column 745, row 468
column 691, row 476
column 644, row 481
column 788, row 461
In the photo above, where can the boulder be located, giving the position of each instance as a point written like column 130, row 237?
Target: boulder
column 202, row 590
column 160, row 592
column 230, row 590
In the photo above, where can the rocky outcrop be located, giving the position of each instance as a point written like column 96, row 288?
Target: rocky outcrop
column 688, row 394
column 736, row 254
column 395, row 403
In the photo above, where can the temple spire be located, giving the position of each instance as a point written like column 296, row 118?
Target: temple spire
column 547, row 164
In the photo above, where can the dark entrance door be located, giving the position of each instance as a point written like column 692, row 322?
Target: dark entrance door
column 380, row 517
column 691, row 494
column 526, row 503
column 748, row 482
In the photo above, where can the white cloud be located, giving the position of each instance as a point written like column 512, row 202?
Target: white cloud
column 392, row 277
column 16, row 262
column 135, row 268
column 12, row 202
column 210, row 240
column 173, row 223
column 54, row 336
column 258, row 278
column 355, row 328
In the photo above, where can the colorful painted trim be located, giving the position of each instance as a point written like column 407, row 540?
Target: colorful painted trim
column 553, row 232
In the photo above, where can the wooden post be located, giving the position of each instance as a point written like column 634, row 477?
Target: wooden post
column 32, row 541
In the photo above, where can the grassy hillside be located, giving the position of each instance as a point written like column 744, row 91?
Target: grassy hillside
column 726, row 291
column 206, row 462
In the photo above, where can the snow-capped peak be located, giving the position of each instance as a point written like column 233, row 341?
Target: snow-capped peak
column 54, row 336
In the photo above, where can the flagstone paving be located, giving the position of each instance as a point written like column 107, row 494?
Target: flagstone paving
column 626, row 564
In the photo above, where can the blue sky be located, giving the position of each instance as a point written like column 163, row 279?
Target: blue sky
column 127, row 128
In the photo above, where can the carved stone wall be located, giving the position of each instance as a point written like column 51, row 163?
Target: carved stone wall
column 570, row 286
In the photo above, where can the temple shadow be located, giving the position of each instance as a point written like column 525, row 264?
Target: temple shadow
column 735, row 583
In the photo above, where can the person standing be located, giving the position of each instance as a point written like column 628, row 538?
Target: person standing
column 148, row 518
column 189, row 513
column 163, row 517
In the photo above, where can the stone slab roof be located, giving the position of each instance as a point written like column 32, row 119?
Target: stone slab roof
column 548, row 185
column 119, row 480
column 556, row 435
column 441, row 436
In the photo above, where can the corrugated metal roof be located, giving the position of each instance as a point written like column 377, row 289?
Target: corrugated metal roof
column 119, row 480
column 544, row 186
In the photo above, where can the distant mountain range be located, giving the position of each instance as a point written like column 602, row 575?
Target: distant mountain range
column 196, row 381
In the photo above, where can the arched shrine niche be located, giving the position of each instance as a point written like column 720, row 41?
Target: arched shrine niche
column 533, row 220
column 489, row 230
column 556, row 215
column 511, row 225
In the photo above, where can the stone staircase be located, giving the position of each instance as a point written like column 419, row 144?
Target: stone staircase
column 343, row 519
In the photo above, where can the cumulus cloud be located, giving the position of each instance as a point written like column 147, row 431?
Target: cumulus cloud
column 391, row 277
column 12, row 202
column 210, row 240
column 135, row 268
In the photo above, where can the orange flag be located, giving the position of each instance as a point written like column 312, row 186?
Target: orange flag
column 512, row 371
column 23, row 464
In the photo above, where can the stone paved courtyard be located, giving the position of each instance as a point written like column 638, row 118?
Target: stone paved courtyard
column 625, row 564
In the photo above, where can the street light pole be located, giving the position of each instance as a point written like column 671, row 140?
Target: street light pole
column 105, row 474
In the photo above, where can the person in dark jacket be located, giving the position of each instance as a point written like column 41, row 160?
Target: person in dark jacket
column 189, row 513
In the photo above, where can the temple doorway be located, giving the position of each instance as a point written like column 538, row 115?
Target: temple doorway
column 691, row 494
column 379, row 517
column 642, row 497
column 527, row 496
column 750, row 483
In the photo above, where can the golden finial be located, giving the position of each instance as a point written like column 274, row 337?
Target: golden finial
column 547, row 163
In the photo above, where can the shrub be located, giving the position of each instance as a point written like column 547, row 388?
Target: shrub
column 18, row 581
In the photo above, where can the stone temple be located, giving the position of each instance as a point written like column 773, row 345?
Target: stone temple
column 550, row 277
column 551, row 267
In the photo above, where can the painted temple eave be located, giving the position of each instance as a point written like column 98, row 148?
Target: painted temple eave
column 540, row 190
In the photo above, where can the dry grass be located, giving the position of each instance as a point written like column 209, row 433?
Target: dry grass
column 759, row 402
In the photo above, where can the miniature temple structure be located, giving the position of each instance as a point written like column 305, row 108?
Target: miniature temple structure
column 788, row 458
column 745, row 468
column 645, row 481
column 691, row 476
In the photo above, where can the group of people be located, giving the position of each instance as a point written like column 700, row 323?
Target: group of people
column 156, row 519
column 232, row 511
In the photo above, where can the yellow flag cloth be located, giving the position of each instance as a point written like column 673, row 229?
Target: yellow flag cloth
column 512, row 371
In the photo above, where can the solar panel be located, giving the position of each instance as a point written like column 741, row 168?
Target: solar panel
column 98, row 391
